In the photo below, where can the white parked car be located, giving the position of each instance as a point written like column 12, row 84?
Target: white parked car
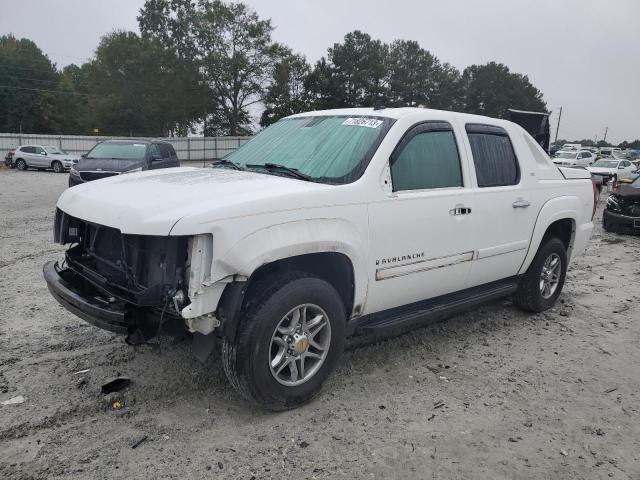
column 43, row 157
column 577, row 158
column 326, row 225
column 613, row 168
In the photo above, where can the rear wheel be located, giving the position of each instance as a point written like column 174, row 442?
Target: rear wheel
column 288, row 342
column 57, row 166
column 540, row 287
column 21, row 164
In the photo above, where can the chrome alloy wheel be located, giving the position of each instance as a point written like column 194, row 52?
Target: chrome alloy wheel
column 299, row 344
column 550, row 275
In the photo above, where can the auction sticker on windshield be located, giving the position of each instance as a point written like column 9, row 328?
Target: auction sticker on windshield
column 363, row 122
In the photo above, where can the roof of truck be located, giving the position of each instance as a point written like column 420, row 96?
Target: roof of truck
column 397, row 113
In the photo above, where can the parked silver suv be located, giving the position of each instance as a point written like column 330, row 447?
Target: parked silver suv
column 43, row 157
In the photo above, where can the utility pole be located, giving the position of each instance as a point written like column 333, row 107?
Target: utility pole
column 558, row 127
column 605, row 134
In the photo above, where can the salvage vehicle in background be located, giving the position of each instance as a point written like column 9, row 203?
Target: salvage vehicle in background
column 326, row 225
column 570, row 158
column 115, row 157
column 622, row 210
column 43, row 157
column 8, row 158
column 611, row 169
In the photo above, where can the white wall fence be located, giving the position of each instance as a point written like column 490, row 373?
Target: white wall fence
column 187, row 148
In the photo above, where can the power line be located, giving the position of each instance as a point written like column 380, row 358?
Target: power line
column 15, row 67
column 51, row 91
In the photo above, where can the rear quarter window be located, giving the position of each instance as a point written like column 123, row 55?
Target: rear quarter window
column 495, row 160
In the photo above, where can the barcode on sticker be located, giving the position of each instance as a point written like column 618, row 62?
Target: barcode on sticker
column 363, row 122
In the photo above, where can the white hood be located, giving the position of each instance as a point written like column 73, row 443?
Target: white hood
column 152, row 202
column 602, row 170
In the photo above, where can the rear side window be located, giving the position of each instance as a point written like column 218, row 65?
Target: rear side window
column 493, row 155
column 167, row 151
column 427, row 158
column 28, row 149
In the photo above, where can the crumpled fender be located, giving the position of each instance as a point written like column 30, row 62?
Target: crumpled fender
column 558, row 208
column 299, row 237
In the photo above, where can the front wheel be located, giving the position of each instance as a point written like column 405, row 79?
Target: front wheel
column 289, row 340
column 540, row 287
column 57, row 167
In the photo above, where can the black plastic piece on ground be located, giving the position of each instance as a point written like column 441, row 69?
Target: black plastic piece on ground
column 115, row 385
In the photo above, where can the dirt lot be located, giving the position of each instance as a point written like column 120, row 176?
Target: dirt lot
column 495, row 393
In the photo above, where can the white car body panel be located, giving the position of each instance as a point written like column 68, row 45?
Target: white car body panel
column 251, row 219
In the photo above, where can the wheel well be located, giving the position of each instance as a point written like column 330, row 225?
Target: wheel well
column 54, row 161
column 563, row 229
column 335, row 268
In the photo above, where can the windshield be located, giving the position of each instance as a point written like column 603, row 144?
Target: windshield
column 619, row 155
column 605, row 164
column 605, row 152
column 331, row 149
column 55, row 151
column 119, row 151
column 565, row 155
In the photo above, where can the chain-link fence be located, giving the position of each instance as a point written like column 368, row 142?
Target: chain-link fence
column 187, row 148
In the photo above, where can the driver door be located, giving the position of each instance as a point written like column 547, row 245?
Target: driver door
column 421, row 232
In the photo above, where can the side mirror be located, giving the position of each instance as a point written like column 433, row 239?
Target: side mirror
column 84, row 155
column 620, row 167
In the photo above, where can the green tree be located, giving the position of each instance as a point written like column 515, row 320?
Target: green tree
column 231, row 46
column 491, row 89
column 417, row 78
column 29, row 93
column 354, row 74
column 288, row 93
column 171, row 25
column 75, row 111
column 133, row 91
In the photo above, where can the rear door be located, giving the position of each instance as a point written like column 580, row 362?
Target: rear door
column 506, row 204
column 421, row 232
column 28, row 154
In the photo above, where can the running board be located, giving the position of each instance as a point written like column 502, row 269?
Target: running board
column 406, row 317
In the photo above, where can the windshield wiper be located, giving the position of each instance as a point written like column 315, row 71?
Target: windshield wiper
column 227, row 163
column 293, row 172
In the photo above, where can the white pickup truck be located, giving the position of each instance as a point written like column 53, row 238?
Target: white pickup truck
column 326, row 225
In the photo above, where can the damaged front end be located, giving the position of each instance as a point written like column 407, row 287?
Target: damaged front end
column 622, row 210
column 133, row 284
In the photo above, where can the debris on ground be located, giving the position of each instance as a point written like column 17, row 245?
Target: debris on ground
column 115, row 385
column 14, row 401
column 139, row 442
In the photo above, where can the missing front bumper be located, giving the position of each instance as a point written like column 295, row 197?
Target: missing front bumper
column 72, row 292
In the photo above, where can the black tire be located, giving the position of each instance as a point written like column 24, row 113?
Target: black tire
column 21, row 164
column 57, row 166
column 529, row 296
column 246, row 359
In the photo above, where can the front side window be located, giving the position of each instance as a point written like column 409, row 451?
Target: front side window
column 429, row 159
column 330, row 149
column 39, row 150
column 495, row 161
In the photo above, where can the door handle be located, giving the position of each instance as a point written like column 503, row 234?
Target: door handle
column 521, row 203
column 460, row 210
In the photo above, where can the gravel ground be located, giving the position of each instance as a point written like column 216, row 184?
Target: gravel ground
column 495, row 393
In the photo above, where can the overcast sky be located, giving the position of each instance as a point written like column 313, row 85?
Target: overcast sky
column 584, row 55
